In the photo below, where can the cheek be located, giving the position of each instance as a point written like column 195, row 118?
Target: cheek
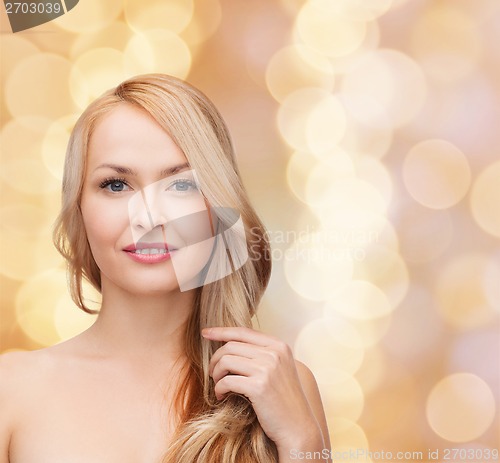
column 196, row 228
column 105, row 222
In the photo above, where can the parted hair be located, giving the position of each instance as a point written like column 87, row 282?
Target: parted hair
column 209, row 431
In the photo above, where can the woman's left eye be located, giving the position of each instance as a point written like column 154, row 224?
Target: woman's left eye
column 182, row 186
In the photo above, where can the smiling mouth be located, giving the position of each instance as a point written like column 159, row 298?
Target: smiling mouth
column 149, row 248
column 150, row 251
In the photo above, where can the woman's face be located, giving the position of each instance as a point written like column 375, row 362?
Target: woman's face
column 146, row 220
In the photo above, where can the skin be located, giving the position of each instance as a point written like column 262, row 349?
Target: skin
column 106, row 389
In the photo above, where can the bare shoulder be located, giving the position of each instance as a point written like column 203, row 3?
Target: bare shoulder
column 308, row 381
column 311, row 390
column 304, row 371
column 23, row 374
column 15, row 368
column 19, row 358
column 21, row 371
column 18, row 371
column 31, row 369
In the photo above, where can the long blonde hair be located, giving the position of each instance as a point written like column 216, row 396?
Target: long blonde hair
column 209, row 431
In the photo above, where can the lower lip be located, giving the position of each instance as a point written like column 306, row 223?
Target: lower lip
column 149, row 258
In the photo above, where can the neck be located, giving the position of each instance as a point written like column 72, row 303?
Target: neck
column 147, row 328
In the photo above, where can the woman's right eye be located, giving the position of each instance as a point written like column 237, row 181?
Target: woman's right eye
column 115, row 185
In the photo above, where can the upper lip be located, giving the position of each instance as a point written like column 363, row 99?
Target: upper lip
column 134, row 247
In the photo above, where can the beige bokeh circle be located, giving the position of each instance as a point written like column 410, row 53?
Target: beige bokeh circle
column 321, row 26
column 393, row 94
column 90, row 16
column 38, row 86
column 157, row 50
column 295, row 67
column 315, row 265
column 460, row 407
column 22, row 164
column 94, row 72
column 341, row 393
column 312, row 119
column 436, row 173
column 14, row 49
column 36, row 303
column 461, row 293
column 174, row 15
column 360, row 300
column 318, row 345
column 485, row 199
column 447, row 42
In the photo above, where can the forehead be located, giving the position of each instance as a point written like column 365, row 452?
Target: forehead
column 129, row 133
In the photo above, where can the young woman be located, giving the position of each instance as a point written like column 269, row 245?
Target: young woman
column 155, row 217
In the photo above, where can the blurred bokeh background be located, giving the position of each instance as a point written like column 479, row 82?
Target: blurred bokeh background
column 367, row 134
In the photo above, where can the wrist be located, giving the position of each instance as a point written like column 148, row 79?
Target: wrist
column 310, row 442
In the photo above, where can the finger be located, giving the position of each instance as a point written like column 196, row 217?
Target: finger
column 239, row 333
column 232, row 364
column 241, row 349
column 234, row 383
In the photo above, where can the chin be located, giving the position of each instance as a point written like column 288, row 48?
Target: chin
column 151, row 288
column 155, row 283
column 143, row 284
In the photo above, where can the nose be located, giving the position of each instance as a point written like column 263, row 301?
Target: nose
column 146, row 211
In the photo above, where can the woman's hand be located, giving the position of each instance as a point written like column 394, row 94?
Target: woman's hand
column 263, row 369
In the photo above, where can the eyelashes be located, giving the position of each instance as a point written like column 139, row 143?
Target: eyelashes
column 118, row 182
column 112, row 181
column 185, row 181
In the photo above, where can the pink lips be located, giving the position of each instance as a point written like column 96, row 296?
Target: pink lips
column 152, row 257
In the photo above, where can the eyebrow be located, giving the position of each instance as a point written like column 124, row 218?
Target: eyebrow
column 128, row 171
